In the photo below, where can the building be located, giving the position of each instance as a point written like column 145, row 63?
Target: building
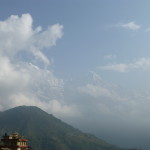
column 13, row 142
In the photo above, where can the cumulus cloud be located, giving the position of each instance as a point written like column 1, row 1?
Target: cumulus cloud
column 130, row 25
column 17, row 34
column 143, row 64
column 25, row 81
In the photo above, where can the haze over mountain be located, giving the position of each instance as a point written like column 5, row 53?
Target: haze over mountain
column 45, row 132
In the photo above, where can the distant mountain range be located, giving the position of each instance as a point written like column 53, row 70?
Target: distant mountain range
column 45, row 132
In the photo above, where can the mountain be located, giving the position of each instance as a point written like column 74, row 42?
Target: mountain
column 45, row 132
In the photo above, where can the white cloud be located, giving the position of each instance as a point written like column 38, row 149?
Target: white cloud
column 40, row 56
column 130, row 25
column 143, row 64
column 26, row 82
column 53, row 106
column 17, row 34
column 62, row 110
column 49, row 37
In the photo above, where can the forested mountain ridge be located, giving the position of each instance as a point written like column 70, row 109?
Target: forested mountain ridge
column 45, row 132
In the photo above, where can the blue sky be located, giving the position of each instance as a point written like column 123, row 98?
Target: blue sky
column 85, row 61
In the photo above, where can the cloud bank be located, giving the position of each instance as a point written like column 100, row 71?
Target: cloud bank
column 17, row 34
column 25, row 80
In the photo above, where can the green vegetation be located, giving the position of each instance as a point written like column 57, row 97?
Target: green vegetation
column 45, row 132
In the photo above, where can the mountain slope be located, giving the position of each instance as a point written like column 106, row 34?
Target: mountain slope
column 46, row 132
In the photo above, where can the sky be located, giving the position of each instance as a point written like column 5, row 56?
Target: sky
column 86, row 62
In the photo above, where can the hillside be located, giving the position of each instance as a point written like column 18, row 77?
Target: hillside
column 45, row 132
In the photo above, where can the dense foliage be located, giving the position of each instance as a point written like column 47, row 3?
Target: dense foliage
column 45, row 132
